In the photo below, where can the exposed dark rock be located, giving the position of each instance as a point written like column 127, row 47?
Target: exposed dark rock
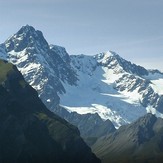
column 31, row 133
column 140, row 141
column 90, row 125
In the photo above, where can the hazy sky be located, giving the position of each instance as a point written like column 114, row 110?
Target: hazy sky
column 132, row 28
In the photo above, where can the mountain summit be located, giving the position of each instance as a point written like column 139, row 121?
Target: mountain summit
column 113, row 60
column 114, row 88
column 106, row 84
column 44, row 66
column 26, row 37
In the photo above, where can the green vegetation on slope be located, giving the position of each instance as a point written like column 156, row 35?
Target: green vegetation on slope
column 5, row 68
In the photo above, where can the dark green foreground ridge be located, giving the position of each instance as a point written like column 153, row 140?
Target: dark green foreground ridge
column 30, row 133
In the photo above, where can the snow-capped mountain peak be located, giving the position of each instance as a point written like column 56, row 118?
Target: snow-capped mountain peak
column 113, row 87
column 44, row 66
column 105, row 83
column 104, row 56
column 27, row 29
column 112, row 60
column 26, row 37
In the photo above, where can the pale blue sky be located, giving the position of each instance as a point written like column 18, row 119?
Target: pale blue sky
column 132, row 28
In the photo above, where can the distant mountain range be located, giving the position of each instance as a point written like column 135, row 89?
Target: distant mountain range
column 85, row 89
column 29, row 132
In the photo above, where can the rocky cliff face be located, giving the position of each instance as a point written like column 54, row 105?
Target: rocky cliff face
column 46, row 68
column 31, row 133
column 141, row 141
column 91, row 126
column 114, row 88
column 106, row 84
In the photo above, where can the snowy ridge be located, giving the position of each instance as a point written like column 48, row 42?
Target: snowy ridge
column 105, row 83
column 112, row 60
column 106, row 88
column 42, row 65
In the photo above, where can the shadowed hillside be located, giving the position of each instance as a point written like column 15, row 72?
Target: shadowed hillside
column 31, row 133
